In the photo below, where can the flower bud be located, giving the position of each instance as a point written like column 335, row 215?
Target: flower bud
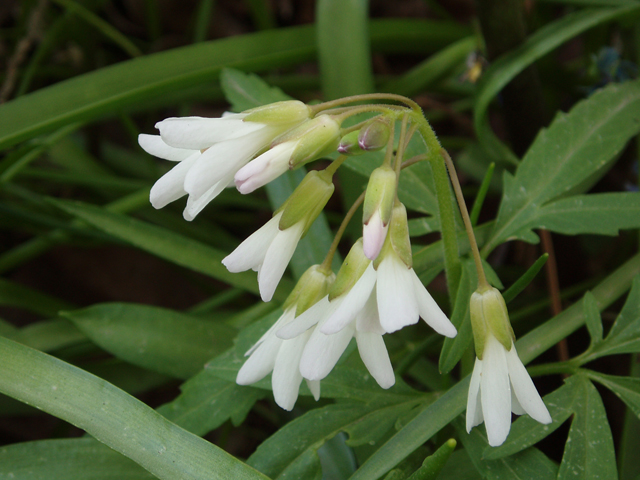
column 349, row 144
column 374, row 135
column 351, row 270
column 489, row 315
column 397, row 237
column 378, row 203
column 313, row 285
column 313, row 139
column 307, row 200
column 290, row 111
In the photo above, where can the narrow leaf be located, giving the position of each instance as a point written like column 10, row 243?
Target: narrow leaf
column 626, row 389
column 524, row 281
column 592, row 318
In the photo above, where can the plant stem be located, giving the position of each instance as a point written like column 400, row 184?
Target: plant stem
column 326, row 264
column 366, row 97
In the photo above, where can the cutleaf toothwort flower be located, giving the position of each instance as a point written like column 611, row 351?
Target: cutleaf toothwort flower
column 271, row 353
column 499, row 383
column 210, row 151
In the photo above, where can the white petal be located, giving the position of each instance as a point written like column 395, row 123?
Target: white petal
column 250, row 253
column 224, row 159
column 323, row 352
column 430, row 311
column 397, row 303
column 368, row 319
column 268, row 166
column 260, row 363
column 196, row 205
column 170, row 186
column 515, row 404
column 373, row 235
column 496, row 392
column 525, row 390
column 284, row 319
column 376, row 358
column 154, row 145
column 314, row 387
column 198, row 133
column 308, row 318
column 277, row 258
column 354, row 301
column 474, row 403
column 286, row 377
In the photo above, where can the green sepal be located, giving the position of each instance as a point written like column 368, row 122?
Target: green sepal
column 478, row 323
column 375, row 135
column 397, row 237
column 489, row 315
column 279, row 113
column 312, row 286
column 349, row 144
column 351, row 270
column 380, row 195
column 307, row 200
column 315, row 138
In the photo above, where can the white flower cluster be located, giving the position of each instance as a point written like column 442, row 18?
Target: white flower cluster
column 376, row 290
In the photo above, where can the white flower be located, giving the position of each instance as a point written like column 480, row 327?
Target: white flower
column 377, row 209
column 211, row 150
column 282, row 357
column 500, row 385
column 268, row 252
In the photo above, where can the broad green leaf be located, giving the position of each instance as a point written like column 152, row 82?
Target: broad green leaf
column 166, row 77
column 207, row 401
column 592, row 318
column 171, row 246
column 599, row 127
column 113, row 417
column 454, row 348
column 526, row 432
column 16, row 295
column 67, row 459
column 504, row 69
column 589, row 451
column 49, row 335
column 161, row 340
column 245, row 91
column 626, row 389
column 530, row 464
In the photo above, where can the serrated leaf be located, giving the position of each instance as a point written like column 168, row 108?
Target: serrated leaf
column 206, row 402
column 161, row 340
column 529, row 464
column 588, row 452
column 574, row 148
column 592, row 318
column 113, row 417
column 67, row 459
column 626, row 389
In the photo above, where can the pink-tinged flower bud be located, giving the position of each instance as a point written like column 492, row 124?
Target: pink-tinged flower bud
column 374, row 135
column 349, row 144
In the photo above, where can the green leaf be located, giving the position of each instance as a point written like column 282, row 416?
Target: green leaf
column 113, row 417
column 599, row 128
column 589, row 451
column 161, row 340
column 504, row 69
column 434, row 464
column 524, row 281
column 165, row 244
column 49, row 335
column 16, row 295
column 67, row 459
column 530, row 464
column 626, row 389
column 454, row 348
column 206, row 402
column 592, row 318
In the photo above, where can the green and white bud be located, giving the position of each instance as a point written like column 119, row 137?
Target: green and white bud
column 311, row 140
column 351, row 270
column 489, row 316
column 312, row 286
column 307, row 200
column 378, row 204
column 375, row 135
column 397, row 237
column 349, row 144
column 279, row 113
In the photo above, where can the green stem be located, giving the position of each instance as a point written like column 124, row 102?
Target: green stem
column 401, row 146
column 333, row 167
column 445, row 205
column 366, row 97
column 326, row 264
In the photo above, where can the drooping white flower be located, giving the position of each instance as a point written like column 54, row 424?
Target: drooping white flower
column 211, row 150
column 308, row 142
column 499, row 383
column 269, row 249
column 282, row 357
